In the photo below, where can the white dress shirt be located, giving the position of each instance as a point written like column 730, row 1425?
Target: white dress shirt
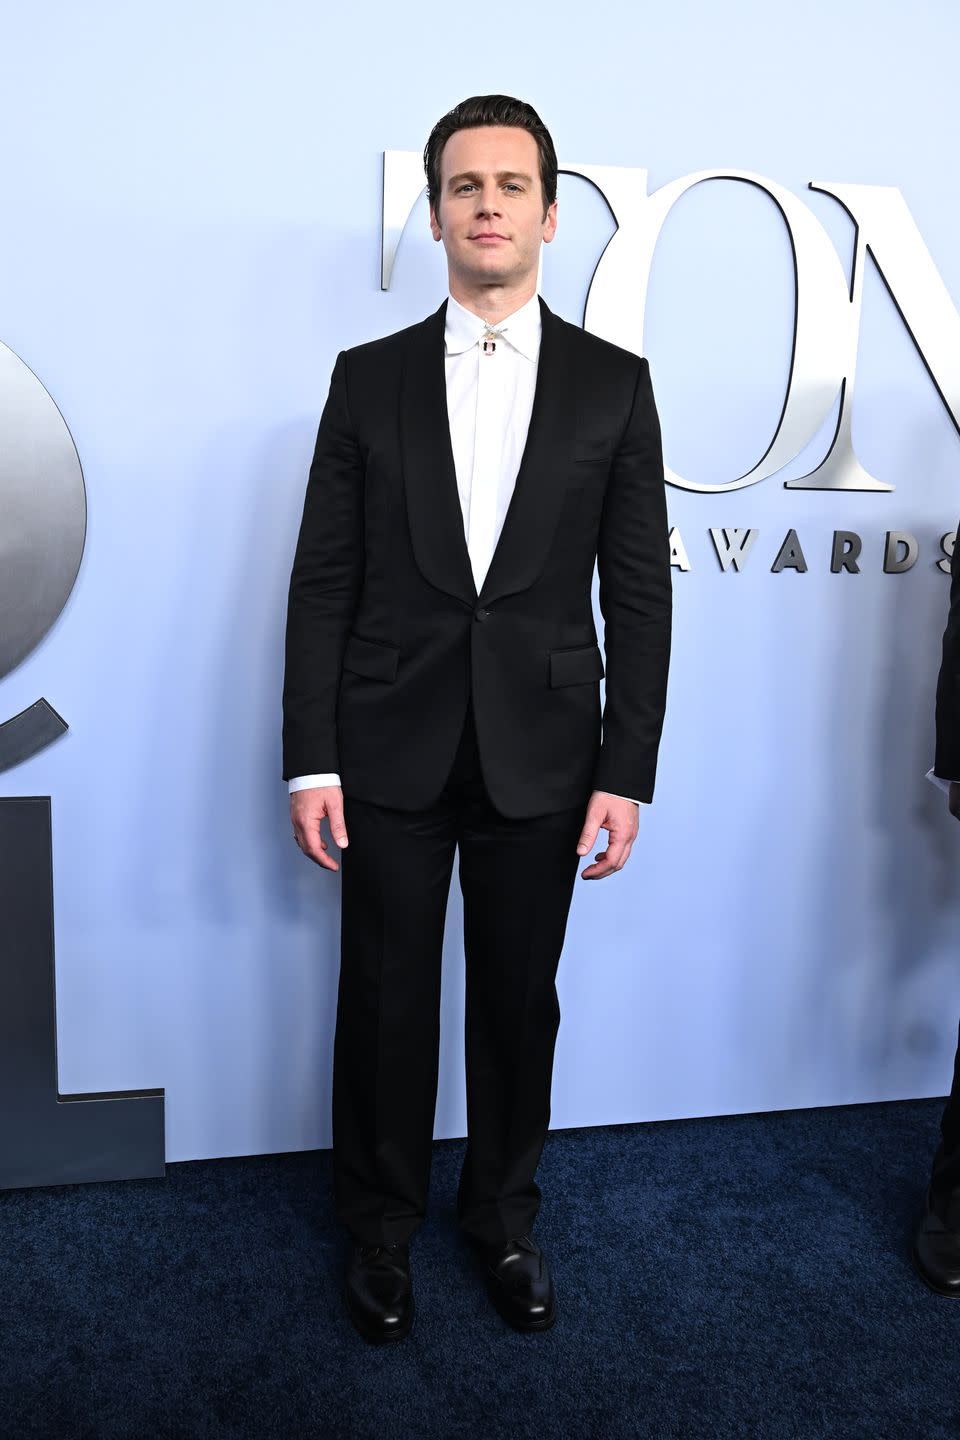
column 489, row 402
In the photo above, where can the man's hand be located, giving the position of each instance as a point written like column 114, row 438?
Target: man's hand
column 953, row 799
column 307, row 809
column 622, row 819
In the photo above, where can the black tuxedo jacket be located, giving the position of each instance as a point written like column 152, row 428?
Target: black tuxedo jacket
column 947, row 760
column 386, row 634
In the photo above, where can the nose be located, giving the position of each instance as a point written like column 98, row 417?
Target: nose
column 488, row 200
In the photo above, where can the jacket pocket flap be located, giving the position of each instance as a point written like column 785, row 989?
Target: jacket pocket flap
column 576, row 667
column 375, row 659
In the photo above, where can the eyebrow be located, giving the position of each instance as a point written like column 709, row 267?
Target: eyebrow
column 475, row 177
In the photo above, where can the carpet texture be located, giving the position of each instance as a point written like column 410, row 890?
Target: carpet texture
column 746, row 1276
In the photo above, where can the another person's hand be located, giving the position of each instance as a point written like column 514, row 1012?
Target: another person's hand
column 621, row 818
column 953, row 799
column 307, row 809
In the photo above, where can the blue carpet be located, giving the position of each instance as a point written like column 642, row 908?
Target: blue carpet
column 736, row 1277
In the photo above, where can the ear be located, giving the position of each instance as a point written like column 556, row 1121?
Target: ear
column 550, row 223
column 435, row 230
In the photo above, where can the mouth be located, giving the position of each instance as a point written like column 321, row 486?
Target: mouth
column 487, row 237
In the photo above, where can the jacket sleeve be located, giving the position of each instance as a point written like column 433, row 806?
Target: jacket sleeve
column 633, row 562
column 324, row 589
column 947, row 762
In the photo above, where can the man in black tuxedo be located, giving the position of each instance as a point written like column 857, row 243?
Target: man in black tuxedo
column 936, row 1244
column 442, row 666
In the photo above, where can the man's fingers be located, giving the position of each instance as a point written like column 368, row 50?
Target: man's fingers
column 613, row 813
column 307, row 809
column 590, row 831
column 608, row 861
column 313, row 845
column 338, row 828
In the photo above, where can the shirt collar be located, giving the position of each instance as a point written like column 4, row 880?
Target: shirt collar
column 463, row 329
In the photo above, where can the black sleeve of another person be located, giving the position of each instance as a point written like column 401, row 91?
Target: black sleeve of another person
column 947, row 762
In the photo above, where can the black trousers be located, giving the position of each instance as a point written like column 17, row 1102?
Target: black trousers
column 945, row 1176
column 517, row 880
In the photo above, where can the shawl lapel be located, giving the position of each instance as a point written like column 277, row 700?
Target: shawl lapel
column 433, row 502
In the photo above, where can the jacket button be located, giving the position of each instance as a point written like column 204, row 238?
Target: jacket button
column 481, row 614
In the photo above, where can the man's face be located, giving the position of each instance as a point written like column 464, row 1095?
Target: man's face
column 490, row 209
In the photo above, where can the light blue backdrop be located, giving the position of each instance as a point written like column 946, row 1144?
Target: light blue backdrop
column 190, row 232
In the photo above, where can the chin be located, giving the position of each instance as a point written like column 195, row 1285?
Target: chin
column 495, row 272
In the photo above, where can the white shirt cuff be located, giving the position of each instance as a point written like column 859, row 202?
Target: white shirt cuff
column 624, row 797
column 312, row 782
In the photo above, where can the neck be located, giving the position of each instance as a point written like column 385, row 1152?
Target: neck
column 494, row 302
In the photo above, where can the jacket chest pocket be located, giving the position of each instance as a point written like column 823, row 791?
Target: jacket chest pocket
column 599, row 454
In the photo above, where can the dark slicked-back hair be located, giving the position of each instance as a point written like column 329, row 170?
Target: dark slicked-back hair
column 491, row 110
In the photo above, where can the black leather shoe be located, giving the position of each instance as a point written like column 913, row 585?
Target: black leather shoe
column 378, row 1292
column 936, row 1255
column 520, row 1284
